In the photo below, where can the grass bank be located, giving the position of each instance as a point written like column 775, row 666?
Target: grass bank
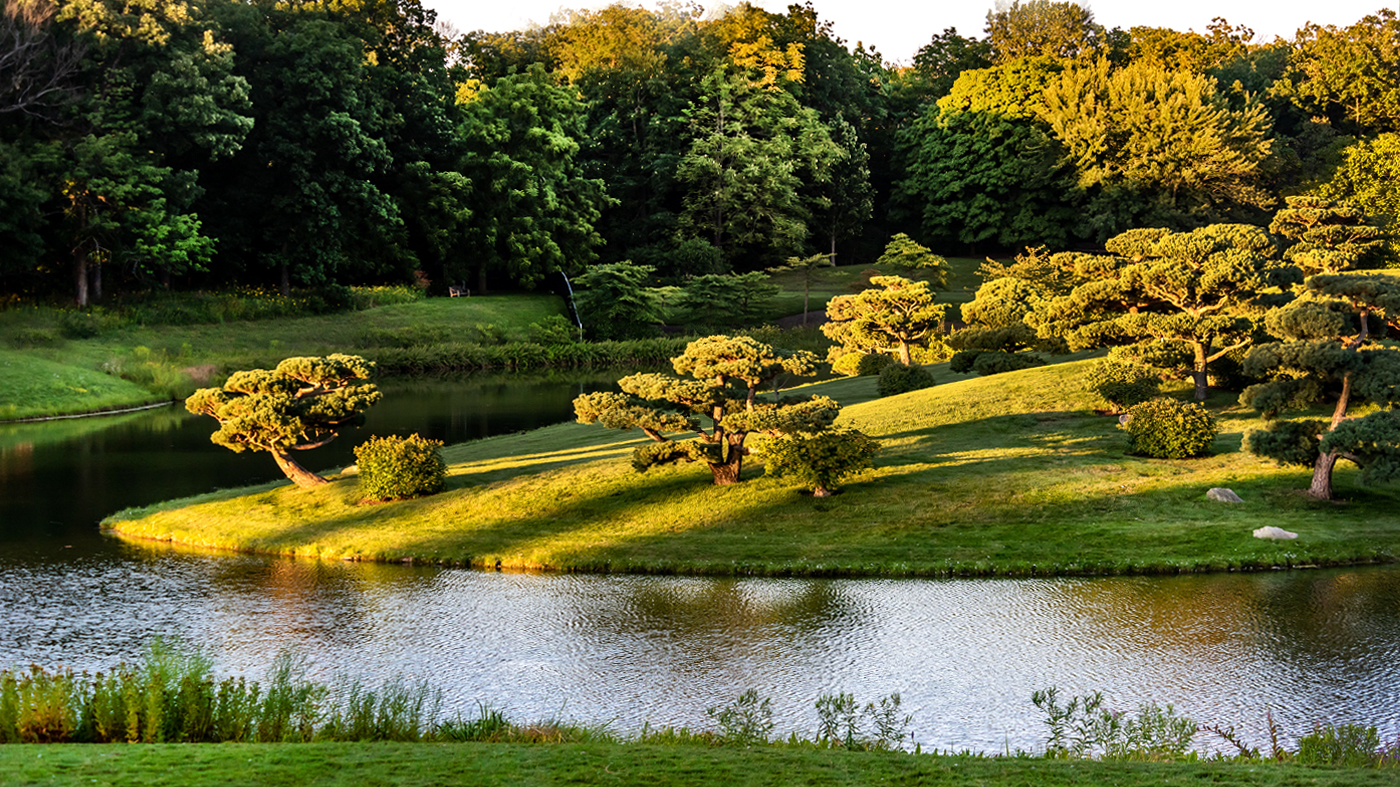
column 611, row 764
column 1010, row 475
column 32, row 386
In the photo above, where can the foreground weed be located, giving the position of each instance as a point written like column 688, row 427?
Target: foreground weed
column 1085, row 729
column 746, row 721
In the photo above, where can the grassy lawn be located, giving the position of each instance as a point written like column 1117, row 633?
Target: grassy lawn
column 1010, row 475
column 364, row 765
column 34, row 386
column 54, row 375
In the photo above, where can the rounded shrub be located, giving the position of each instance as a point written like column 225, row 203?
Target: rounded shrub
column 872, row 364
column 846, row 364
column 1169, row 429
column 898, row 378
column 819, row 460
column 397, row 468
column 1121, row 384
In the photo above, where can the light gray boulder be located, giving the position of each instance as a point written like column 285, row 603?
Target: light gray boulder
column 1222, row 495
column 1274, row 533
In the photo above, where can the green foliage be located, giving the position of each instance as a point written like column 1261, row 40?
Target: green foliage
column 1121, row 384
column 818, row 460
column 1345, row 745
column 904, row 252
column 554, row 331
column 1328, row 237
column 399, row 468
column 1085, row 729
column 989, row 362
column 725, row 375
column 1183, row 155
column 1170, row 429
column 897, row 379
column 615, row 303
column 297, row 406
column 731, row 301
column 872, row 364
column 896, row 315
column 1365, row 178
column 747, row 721
column 1349, row 75
column 842, row 723
column 1289, row 442
column 1057, row 30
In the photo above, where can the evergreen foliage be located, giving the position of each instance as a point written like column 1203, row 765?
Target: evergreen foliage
column 896, row 378
column 399, row 468
column 1170, row 429
column 1330, row 350
column 724, row 375
column 298, row 406
column 615, row 303
column 1121, row 384
column 895, row 316
column 1327, row 237
column 821, row 460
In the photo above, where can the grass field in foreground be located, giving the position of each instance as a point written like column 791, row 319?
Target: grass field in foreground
column 373, row 764
column 1013, row 475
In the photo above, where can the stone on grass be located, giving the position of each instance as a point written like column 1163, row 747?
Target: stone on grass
column 1223, row 495
column 1274, row 533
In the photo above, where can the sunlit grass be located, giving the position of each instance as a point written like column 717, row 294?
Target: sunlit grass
column 1013, row 474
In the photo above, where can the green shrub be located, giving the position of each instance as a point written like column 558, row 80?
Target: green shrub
column 1347, row 745
column 872, row 364
column 397, row 468
column 819, row 460
column 83, row 325
column 553, row 331
column 847, row 364
column 1169, row 429
column 1121, row 384
column 34, row 337
column 989, row 362
column 898, row 378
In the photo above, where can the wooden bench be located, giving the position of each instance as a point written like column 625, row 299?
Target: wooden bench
column 458, row 291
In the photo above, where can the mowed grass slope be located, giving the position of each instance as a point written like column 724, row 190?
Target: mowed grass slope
column 32, row 386
column 363, row 764
column 1012, row 475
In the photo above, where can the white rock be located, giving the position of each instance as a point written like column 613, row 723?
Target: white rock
column 1274, row 533
column 1223, row 495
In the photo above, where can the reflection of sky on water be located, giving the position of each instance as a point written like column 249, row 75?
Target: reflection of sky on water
column 965, row 655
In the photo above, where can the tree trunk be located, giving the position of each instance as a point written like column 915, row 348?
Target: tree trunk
column 1321, row 487
column 96, row 270
column 80, row 278
column 904, row 356
column 286, row 281
column 1198, row 372
column 728, row 472
column 299, row 475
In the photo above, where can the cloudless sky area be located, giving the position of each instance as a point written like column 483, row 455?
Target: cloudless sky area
column 899, row 27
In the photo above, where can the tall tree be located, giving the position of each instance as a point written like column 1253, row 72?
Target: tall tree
column 1350, row 75
column 533, row 210
column 1328, row 237
column 38, row 65
column 1158, row 148
column 945, row 57
column 1044, row 28
column 1366, row 178
column 895, row 316
column 754, row 148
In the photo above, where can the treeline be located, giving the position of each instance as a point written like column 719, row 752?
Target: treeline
column 206, row 142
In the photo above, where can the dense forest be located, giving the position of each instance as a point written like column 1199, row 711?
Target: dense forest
column 199, row 143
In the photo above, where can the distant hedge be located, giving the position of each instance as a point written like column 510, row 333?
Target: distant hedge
column 454, row 357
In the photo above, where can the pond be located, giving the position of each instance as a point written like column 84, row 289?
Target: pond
column 965, row 655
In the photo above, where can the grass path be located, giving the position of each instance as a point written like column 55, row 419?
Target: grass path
column 1008, row 475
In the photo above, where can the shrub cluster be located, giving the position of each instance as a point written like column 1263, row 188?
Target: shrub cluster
column 872, row 364
column 398, row 468
column 1170, row 429
column 989, row 362
column 819, row 460
column 1121, row 384
column 898, row 378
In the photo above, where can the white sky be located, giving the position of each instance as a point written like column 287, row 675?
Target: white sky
column 899, row 27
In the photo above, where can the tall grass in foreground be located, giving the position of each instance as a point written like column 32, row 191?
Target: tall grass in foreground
column 172, row 696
